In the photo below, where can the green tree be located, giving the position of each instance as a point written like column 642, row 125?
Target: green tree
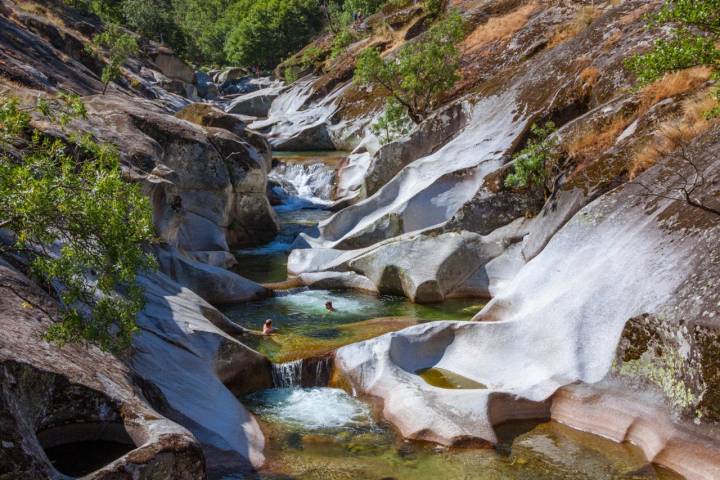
column 271, row 30
column 153, row 19
column 393, row 123
column 529, row 163
column 421, row 72
column 120, row 46
column 83, row 227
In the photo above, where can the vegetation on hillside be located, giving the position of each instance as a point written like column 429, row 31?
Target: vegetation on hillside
column 421, row 72
column 694, row 41
column 120, row 45
column 529, row 162
column 83, row 227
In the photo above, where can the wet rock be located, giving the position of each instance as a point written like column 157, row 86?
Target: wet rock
column 315, row 137
column 207, row 185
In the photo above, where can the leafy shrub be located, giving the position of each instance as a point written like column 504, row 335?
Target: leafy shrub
column 71, row 194
column 683, row 51
column 340, row 42
column 421, row 72
column 393, row 123
column 120, row 46
column 434, row 7
column 529, row 167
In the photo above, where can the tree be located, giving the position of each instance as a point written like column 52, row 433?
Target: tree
column 421, row 72
column 529, row 166
column 120, row 46
column 393, row 123
column 82, row 227
column 153, row 19
column 271, row 30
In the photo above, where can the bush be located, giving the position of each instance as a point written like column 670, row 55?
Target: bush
column 683, row 51
column 393, row 123
column 71, row 194
column 421, row 72
column 120, row 46
column 693, row 43
column 434, row 7
column 340, row 42
column 529, row 167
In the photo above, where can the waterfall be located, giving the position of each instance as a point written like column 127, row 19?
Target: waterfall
column 310, row 182
column 309, row 372
column 287, row 375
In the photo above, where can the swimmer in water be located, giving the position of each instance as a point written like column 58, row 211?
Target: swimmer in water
column 268, row 328
column 329, row 307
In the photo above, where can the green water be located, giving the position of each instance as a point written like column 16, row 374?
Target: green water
column 268, row 263
column 323, row 433
column 305, row 327
column 441, row 378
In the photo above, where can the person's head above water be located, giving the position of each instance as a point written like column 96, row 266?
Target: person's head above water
column 268, row 322
column 329, row 306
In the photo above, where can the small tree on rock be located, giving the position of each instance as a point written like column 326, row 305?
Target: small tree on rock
column 120, row 45
column 421, row 72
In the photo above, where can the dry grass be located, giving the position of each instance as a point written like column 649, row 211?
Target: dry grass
column 583, row 18
column 591, row 143
column 672, row 84
column 670, row 135
column 498, row 28
column 590, row 75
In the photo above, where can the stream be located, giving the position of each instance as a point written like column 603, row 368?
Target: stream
column 319, row 432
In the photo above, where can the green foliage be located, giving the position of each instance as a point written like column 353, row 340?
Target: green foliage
column 82, row 225
column 434, row 7
column 119, row 45
column 529, row 167
column 421, row 72
column 340, row 42
column 364, row 7
column 271, row 30
column 107, row 10
column 683, row 51
column 693, row 43
column 393, row 123
column 311, row 56
column 290, row 75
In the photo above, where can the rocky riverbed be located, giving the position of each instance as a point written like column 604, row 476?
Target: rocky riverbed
column 478, row 330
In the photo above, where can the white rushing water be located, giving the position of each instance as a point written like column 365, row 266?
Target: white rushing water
column 311, row 408
column 303, row 185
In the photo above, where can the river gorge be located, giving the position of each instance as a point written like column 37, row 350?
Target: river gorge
column 519, row 280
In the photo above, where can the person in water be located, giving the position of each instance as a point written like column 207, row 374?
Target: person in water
column 268, row 328
column 329, row 307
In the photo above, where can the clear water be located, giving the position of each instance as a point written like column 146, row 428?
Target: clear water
column 323, row 433
column 306, row 328
column 268, row 263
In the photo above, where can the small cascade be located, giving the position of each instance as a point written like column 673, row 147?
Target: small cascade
column 310, row 181
column 288, row 374
column 309, row 372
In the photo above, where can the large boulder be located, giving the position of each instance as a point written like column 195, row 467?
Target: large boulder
column 185, row 345
column 207, row 185
column 564, row 319
column 171, row 66
column 52, row 397
column 255, row 104
column 213, row 284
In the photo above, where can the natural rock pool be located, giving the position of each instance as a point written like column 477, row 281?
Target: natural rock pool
column 324, row 433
